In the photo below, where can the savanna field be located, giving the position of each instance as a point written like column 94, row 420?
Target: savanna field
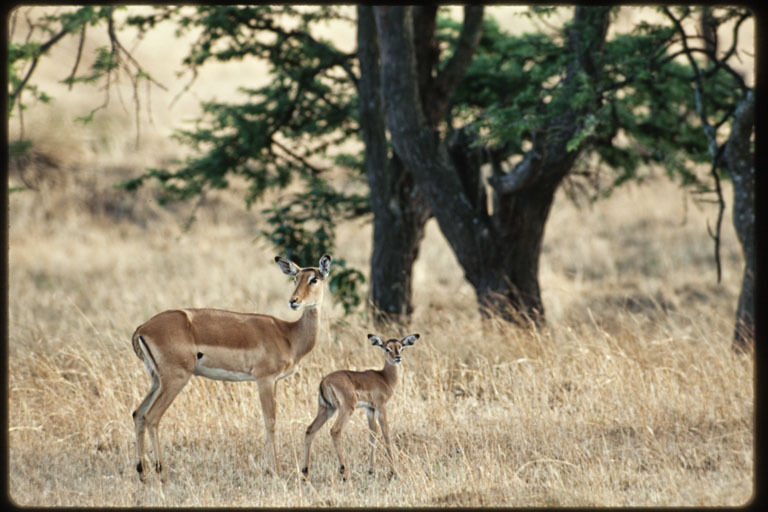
column 631, row 396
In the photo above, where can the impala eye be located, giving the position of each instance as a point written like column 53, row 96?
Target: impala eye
column 313, row 280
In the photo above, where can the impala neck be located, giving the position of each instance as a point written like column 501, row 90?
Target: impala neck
column 306, row 329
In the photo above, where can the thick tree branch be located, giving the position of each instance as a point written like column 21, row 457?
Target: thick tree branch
column 415, row 142
column 441, row 87
column 548, row 157
column 454, row 70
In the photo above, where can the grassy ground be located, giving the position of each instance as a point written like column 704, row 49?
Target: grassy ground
column 631, row 397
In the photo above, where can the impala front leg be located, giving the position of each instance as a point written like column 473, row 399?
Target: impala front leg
column 268, row 409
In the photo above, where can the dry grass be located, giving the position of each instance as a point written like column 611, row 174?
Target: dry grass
column 631, row 397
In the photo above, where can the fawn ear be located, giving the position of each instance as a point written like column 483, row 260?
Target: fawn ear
column 409, row 340
column 325, row 265
column 287, row 266
column 375, row 340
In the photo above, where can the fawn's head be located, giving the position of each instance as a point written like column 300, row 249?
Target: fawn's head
column 393, row 347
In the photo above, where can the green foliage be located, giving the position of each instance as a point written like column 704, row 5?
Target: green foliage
column 505, row 83
column 18, row 148
column 515, row 87
column 302, row 226
column 280, row 132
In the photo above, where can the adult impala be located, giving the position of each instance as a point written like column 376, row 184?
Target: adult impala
column 223, row 345
column 344, row 390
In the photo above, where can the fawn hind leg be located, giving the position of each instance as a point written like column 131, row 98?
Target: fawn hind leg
column 345, row 412
column 324, row 413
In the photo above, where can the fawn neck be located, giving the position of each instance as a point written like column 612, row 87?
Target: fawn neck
column 389, row 372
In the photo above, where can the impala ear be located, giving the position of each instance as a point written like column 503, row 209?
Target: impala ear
column 375, row 340
column 409, row 340
column 287, row 266
column 325, row 265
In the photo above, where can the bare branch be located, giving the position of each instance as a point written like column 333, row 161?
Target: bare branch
column 43, row 48
column 79, row 55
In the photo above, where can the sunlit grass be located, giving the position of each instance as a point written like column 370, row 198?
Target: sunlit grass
column 630, row 397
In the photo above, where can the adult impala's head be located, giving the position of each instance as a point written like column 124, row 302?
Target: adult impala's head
column 393, row 348
column 309, row 281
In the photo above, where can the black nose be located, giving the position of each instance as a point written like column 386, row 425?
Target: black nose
column 294, row 303
column 398, row 359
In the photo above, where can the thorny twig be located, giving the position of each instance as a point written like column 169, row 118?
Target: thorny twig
column 715, row 149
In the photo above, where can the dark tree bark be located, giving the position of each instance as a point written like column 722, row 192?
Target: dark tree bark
column 738, row 159
column 498, row 251
column 397, row 201
column 399, row 211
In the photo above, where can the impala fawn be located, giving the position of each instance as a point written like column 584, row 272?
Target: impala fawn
column 344, row 390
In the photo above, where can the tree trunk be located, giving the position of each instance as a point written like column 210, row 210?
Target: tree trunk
column 499, row 252
column 399, row 209
column 398, row 203
column 739, row 161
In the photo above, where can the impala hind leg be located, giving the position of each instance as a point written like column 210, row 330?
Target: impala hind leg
column 323, row 415
column 170, row 386
column 139, row 419
column 345, row 412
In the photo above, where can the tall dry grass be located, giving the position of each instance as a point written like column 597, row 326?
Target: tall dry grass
column 631, row 396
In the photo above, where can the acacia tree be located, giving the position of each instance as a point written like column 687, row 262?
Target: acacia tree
column 562, row 100
column 499, row 250
column 30, row 40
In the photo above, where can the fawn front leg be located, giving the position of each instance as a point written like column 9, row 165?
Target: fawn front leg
column 371, row 413
column 382, row 412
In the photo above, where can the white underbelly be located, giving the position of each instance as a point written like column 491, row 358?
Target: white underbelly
column 220, row 374
column 364, row 404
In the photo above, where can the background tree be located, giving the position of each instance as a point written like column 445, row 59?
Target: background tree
column 287, row 130
column 437, row 103
column 499, row 250
column 628, row 102
column 397, row 201
column 716, row 80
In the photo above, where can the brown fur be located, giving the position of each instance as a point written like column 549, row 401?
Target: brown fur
column 344, row 390
column 225, row 345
